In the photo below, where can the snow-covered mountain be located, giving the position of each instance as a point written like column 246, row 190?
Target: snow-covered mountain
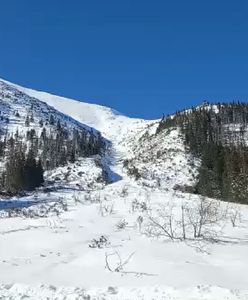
column 108, row 121
column 16, row 106
column 165, row 163
column 54, row 137
column 144, row 235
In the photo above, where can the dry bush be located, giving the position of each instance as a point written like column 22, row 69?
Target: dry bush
column 204, row 217
column 117, row 264
column 196, row 220
column 139, row 206
column 234, row 215
column 122, row 224
column 101, row 242
column 106, row 208
column 161, row 223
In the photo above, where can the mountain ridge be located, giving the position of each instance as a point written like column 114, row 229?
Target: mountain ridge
column 96, row 114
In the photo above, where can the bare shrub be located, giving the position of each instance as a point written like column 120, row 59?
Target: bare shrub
column 92, row 198
column 235, row 216
column 122, row 224
column 204, row 217
column 102, row 242
column 139, row 206
column 78, row 198
column 124, row 191
column 183, row 222
column 199, row 219
column 117, row 264
column 161, row 223
column 139, row 221
column 106, row 208
column 134, row 172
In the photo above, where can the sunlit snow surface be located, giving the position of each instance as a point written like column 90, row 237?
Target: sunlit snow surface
column 48, row 256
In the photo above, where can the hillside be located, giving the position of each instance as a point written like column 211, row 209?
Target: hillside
column 217, row 134
column 32, row 130
column 133, row 139
column 144, row 234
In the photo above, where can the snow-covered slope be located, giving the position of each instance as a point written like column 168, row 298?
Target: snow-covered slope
column 35, row 123
column 161, row 159
column 106, row 244
column 108, row 121
column 14, row 100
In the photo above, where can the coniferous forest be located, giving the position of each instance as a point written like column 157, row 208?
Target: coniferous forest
column 25, row 158
column 34, row 138
column 217, row 134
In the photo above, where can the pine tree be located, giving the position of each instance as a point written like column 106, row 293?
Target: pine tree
column 27, row 121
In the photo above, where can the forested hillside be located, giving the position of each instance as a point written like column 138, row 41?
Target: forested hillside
column 217, row 134
column 34, row 137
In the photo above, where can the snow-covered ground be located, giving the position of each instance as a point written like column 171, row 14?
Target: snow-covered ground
column 101, row 246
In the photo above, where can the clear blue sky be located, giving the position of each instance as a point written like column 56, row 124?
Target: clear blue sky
column 143, row 58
